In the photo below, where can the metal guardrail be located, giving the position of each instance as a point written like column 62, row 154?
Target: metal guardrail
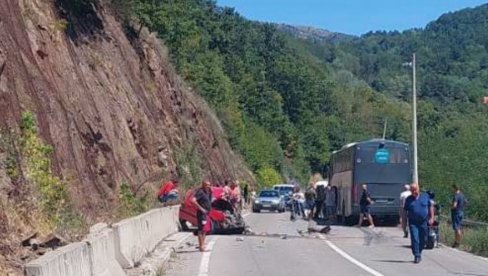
column 467, row 222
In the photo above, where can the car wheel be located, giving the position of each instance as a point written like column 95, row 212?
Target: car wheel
column 256, row 210
column 343, row 215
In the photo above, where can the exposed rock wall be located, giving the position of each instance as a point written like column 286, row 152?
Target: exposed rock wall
column 106, row 99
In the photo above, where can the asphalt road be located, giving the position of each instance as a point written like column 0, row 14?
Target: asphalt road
column 279, row 249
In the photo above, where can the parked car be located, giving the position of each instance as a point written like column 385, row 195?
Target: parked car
column 286, row 191
column 269, row 200
column 222, row 218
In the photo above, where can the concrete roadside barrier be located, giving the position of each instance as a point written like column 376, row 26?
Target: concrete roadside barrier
column 73, row 259
column 106, row 251
column 135, row 237
column 101, row 246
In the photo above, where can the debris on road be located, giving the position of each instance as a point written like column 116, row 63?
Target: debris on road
column 323, row 230
column 239, row 239
column 248, row 231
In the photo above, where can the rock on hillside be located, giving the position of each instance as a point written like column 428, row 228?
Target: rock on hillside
column 106, row 99
column 316, row 34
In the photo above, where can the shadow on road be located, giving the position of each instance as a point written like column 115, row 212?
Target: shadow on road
column 393, row 261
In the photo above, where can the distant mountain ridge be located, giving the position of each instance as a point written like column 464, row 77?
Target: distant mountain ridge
column 312, row 33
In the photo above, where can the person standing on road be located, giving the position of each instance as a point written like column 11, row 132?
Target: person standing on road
column 457, row 214
column 310, row 196
column 246, row 194
column 235, row 195
column 202, row 200
column 298, row 201
column 403, row 213
column 364, row 205
column 319, row 201
column 420, row 213
column 330, row 204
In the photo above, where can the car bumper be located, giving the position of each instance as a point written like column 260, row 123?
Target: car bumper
column 267, row 206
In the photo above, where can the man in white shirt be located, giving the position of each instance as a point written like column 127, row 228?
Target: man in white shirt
column 403, row 214
column 299, row 201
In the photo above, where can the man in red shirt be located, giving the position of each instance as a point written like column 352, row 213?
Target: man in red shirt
column 168, row 192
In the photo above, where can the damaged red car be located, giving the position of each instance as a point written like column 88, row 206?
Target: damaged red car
column 222, row 219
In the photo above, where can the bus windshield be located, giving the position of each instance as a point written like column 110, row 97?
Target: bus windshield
column 371, row 155
column 382, row 165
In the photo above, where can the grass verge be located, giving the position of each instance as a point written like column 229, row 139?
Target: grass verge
column 475, row 238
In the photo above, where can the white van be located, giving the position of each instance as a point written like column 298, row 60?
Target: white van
column 284, row 189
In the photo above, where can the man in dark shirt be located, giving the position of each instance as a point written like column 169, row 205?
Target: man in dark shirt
column 457, row 213
column 246, row 194
column 319, row 201
column 420, row 214
column 202, row 200
column 364, row 204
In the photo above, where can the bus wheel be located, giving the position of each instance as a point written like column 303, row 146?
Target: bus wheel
column 343, row 214
column 350, row 220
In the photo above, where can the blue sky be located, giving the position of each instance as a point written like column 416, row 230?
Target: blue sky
column 349, row 16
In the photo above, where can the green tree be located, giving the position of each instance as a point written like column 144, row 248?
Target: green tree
column 267, row 177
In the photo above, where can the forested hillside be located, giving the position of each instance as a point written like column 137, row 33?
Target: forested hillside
column 287, row 102
column 452, row 73
column 283, row 109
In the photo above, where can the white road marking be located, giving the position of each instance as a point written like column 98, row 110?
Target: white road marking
column 206, row 258
column 349, row 258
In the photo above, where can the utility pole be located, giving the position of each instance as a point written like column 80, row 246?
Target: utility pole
column 384, row 128
column 414, row 122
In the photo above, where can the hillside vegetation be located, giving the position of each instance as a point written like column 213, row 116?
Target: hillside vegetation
column 283, row 109
column 452, row 73
column 287, row 102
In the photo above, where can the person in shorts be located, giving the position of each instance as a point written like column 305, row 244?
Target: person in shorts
column 457, row 214
column 310, row 196
column 365, row 204
column 202, row 200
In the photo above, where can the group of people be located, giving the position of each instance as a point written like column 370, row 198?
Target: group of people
column 202, row 199
column 416, row 208
column 418, row 213
column 317, row 202
column 169, row 192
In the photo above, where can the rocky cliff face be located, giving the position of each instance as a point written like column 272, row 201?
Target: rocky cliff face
column 315, row 34
column 106, row 99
